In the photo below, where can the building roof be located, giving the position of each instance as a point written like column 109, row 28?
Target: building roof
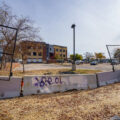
column 60, row 46
column 34, row 41
column 44, row 43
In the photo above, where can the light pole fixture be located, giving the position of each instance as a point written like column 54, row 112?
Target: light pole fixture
column 73, row 63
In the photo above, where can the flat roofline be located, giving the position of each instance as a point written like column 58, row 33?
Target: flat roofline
column 44, row 43
column 60, row 46
column 33, row 41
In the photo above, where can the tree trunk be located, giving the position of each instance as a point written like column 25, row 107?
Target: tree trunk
column 23, row 64
column 23, row 67
column 1, row 63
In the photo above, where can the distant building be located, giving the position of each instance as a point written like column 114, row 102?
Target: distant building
column 60, row 52
column 36, row 51
column 50, row 51
column 42, row 52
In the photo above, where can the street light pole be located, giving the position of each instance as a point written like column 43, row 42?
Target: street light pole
column 73, row 63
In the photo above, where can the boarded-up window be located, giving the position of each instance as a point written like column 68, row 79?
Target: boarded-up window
column 34, row 53
column 40, row 54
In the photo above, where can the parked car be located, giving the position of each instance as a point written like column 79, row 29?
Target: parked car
column 60, row 61
column 19, row 60
column 69, row 61
column 93, row 63
column 77, row 62
column 114, row 62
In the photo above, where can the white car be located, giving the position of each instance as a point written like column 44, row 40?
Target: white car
column 77, row 62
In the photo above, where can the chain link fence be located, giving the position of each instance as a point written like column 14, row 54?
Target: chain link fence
column 114, row 54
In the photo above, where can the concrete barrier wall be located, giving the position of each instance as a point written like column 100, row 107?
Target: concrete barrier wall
column 59, row 83
column 10, row 88
column 50, row 84
column 108, row 78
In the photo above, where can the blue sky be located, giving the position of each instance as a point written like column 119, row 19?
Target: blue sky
column 97, row 21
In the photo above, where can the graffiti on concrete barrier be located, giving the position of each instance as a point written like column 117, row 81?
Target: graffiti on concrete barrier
column 45, row 81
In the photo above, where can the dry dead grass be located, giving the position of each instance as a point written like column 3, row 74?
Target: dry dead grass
column 14, row 65
column 97, row 104
column 47, row 72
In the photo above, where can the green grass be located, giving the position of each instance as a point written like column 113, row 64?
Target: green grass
column 79, row 71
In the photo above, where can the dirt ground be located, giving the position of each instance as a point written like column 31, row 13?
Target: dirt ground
column 14, row 66
column 97, row 104
column 102, row 67
column 48, row 72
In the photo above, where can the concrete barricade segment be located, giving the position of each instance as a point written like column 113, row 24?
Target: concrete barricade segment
column 108, row 78
column 58, row 83
column 10, row 88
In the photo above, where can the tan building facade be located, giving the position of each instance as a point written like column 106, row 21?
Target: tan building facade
column 34, row 51
column 60, row 52
column 41, row 52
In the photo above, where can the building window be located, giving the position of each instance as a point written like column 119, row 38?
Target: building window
column 63, row 55
column 50, row 49
column 63, row 50
column 60, row 50
column 57, row 50
column 40, row 47
column 60, row 55
column 34, row 53
column 40, row 54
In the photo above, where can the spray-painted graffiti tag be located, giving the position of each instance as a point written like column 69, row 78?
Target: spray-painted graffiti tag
column 45, row 81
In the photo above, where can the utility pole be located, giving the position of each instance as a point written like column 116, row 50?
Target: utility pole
column 73, row 63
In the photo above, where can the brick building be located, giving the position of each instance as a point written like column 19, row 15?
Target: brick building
column 42, row 52
column 60, row 52
column 34, row 51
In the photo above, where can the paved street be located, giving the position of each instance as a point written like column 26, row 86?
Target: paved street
column 102, row 67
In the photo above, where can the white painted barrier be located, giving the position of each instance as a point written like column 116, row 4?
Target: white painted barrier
column 58, row 83
column 108, row 78
column 92, row 82
column 50, row 84
column 10, row 88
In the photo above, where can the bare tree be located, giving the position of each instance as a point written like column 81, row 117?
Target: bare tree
column 26, row 31
column 88, row 56
column 117, row 54
column 6, row 19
